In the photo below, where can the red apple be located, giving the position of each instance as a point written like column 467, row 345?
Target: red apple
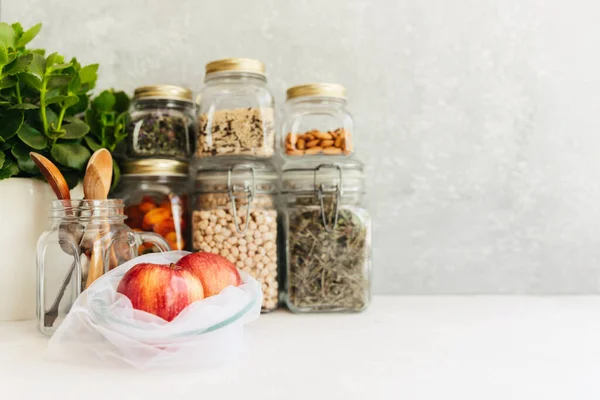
column 214, row 271
column 160, row 289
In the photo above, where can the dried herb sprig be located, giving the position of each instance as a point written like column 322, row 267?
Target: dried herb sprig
column 327, row 269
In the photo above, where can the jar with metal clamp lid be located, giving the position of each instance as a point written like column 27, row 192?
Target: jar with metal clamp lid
column 235, row 111
column 161, row 122
column 327, row 238
column 155, row 193
column 316, row 122
column 235, row 215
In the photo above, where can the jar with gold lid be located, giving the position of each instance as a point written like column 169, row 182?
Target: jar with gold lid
column 235, row 111
column 161, row 122
column 155, row 195
column 316, row 121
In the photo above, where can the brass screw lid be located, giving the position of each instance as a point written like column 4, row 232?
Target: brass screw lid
column 154, row 166
column 163, row 92
column 317, row 89
column 236, row 64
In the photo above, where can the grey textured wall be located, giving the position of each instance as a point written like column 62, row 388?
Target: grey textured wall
column 478, row 118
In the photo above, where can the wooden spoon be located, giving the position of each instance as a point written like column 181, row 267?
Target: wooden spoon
column 53, row 176
column 96, row 184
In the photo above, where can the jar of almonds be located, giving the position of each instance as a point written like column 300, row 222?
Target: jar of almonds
column 234, row 215
column 316, row 121
column 235, row 111
column 155, row 194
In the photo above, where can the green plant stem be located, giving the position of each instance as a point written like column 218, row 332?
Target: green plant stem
column 43, row 106
column 18, row 90
column 60, row 118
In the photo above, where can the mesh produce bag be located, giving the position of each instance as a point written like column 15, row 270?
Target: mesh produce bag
column 103, row 328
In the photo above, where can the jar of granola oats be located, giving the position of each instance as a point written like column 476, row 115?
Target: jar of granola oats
column 235, row 111
column 316, row 121
column 161, row 122
column 234, row 215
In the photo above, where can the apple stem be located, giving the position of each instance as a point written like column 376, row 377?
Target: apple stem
column 174, row 267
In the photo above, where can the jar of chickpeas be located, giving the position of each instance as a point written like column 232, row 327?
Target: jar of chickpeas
column 234, row 215
column 155, row 193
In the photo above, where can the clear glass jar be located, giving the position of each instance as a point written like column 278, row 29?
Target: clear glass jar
column 235, row 111
column 327, row 239
column 235, row 215
column 316, row 121
column 87, row 238
column 155, row 194
column 161, row 122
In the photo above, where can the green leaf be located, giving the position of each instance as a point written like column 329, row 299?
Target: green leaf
column 26, row 164
column 105, row 101
column 18, row 28
column 7, row 35
column 116, row 176
column 67, row 101
column 41, row 52
column 72, row 178
column 92, row 143
column 38, row 65
column 56, row 134
column 51, row 117
column 9, row 169
column 76, row 129
column 19, row 65
column 52, row 59
column 24, row 106
column 30, row 80
column 122, row 102
column 72, row 155
column 88, row 74
column 10, row 122
column 81, row 106
column 56, row 81
column 32, row 137
column 3, row 56
column 7, row 82
column 29, row 35
column 2, row 158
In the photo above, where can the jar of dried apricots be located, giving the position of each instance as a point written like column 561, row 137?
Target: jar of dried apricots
column 316, row 121
column 155, row 195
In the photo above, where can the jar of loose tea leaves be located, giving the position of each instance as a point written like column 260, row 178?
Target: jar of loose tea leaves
column 234, row 215
column 235, row 111
column 316, row 121
column 328, row 238
column 155, row 194
column 161, row 122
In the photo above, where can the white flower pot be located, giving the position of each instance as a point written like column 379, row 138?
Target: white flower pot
column 24, row 211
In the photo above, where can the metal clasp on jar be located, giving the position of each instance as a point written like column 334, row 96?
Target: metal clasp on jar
column 249, row 189
column 336, row 192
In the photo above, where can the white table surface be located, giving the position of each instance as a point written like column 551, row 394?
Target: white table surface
column 477, row 347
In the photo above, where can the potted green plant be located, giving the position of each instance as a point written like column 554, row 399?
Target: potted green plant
column 43, row 99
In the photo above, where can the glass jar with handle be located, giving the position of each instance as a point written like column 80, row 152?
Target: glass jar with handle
column 86, row 239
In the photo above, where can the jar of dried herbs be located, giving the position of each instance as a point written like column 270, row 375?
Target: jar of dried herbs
column 234, row 215
column 328, row 238
column 161, row 122
column 316, row 122
column 235, row 111
column 155, row 194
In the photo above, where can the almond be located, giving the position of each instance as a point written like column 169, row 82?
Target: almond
column 323, row 136
column 339, row 141
column 312, row 143
column 314, row 150
column 308, row 137
column 301, row 144
column 334, row 134
column 295, row 152
column 291, row 138
column 327, row 143
column 289, row 146
column 332, row 150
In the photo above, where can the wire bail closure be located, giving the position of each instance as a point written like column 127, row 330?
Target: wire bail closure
column 320, row 193
column 250, row 196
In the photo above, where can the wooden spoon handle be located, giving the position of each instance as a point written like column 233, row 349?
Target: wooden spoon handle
column 53, row 176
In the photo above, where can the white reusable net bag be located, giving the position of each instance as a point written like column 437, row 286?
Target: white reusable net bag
column 102, row 326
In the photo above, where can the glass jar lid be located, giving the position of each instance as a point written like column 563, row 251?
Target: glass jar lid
column 155, row 166
column 170, row 92
column 243, row 177
column 347, row 177
column 236, row 64
column 317, row 89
